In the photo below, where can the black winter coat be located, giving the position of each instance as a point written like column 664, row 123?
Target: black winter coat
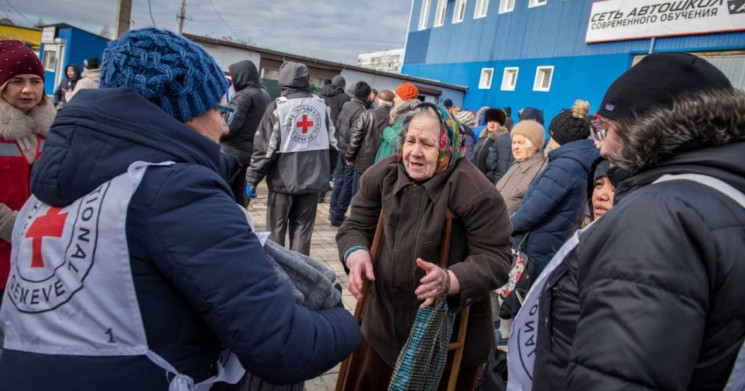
column 348, row 115
column 249, row 102
column 335, row 99
column 652, row 297
column 364, row 137
column 500, row 158
column 481, row 152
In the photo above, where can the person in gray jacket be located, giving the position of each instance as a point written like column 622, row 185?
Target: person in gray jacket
column 249, row 102
column 364, row 136
column 291, row 149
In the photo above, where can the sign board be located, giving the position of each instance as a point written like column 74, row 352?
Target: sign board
column 618, row 20
column 47, row 34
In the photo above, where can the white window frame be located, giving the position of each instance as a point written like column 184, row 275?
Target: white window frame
column 481, row 4
column 539, row 79
column 483, row 83
column 441, row 10
column 504, row 6
column 459, row 10
column 45, row 63
column 537, row 3
column 507, row 85
column 424, row 14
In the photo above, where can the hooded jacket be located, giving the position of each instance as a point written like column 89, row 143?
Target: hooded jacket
column 500, row 157
column 659, row 279
column 555, row 202
column 249, row 102
column 66, row 85
column 301, row 172
column 201, row 277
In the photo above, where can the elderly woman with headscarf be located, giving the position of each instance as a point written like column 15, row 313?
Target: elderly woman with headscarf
column 413, row 191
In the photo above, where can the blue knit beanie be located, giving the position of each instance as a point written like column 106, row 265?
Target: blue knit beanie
column 167, row 69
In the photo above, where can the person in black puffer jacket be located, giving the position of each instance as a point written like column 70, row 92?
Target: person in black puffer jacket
column 658, row 302
column 249, row 103
column 494, row 128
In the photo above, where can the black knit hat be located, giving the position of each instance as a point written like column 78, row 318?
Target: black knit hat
column 448, row 103
column 657, row 81
column 362, row 90
column 495, row 115
column 91, row 63
column 569, row 126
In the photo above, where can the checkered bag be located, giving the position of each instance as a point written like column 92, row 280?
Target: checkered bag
column 422, row 360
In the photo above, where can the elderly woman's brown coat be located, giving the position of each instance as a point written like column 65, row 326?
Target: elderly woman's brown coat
column 516, row 181
column 414, row 217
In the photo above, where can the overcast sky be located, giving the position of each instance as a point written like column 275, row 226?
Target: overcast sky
column 334, row 30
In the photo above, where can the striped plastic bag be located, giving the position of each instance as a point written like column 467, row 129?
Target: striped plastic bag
column 422, row 360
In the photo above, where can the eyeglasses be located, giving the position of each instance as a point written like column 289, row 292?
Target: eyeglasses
column 599, row 129
column 228, row 113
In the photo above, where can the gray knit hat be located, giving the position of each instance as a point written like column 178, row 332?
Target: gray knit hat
column 167, row 69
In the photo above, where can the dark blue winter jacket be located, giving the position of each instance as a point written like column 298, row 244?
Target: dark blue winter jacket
column 500, row 158
column 555, row 202
column 201, row 276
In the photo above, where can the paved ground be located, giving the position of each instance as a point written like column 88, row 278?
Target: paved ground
column 323, row 249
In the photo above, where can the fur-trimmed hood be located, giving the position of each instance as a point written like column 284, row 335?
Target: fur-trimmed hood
column 695, row 122
column 15, row 124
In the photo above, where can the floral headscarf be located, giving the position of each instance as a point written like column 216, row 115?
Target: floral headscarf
column 452, row 139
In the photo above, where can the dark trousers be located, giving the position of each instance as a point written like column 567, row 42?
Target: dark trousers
column 342, row 194
column 356, row 182
column 298, row 211
column 368, row 372
column 238, row 185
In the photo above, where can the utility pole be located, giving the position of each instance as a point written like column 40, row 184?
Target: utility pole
column 181, row 17
column 123, row 16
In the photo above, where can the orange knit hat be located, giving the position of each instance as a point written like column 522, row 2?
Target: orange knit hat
column 407, row 91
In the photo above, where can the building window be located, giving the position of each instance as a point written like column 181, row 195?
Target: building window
column 486, row 76
column 50, row 57
column 424, row 14
column 536, row 3
column 460, row 11
column 481, row 7
column 442, row 6
column 543, row 77
column 506, row 6
column 509, row 78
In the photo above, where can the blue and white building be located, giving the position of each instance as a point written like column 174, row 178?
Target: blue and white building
column 63, row 44
column 547, row 53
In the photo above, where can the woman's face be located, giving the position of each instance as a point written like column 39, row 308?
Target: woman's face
column 602, row 197
column 24, row 92
column 70, row 72
column 522, row 148
column 492, row 125
column 421, row 147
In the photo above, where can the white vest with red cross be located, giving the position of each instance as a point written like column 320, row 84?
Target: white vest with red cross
column 71, row 291
column 302, row 124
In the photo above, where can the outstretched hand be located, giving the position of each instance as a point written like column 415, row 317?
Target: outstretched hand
column 433, row 284
column 360, row 265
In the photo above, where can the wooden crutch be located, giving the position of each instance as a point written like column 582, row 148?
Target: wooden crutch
column 359, row 310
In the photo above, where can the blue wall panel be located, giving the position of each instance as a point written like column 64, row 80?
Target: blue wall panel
column 574, row 78
column 554, row 30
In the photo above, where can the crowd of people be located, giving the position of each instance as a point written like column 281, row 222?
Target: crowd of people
column 127, row 253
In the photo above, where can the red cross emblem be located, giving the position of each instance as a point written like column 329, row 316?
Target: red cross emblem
column 305, row 124
column 50, row 225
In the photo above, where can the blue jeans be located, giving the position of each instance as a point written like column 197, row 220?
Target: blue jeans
column 356, row 182
column 342, row 194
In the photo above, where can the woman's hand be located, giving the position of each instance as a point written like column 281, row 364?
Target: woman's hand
column 359, row 264
column 434, row 283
